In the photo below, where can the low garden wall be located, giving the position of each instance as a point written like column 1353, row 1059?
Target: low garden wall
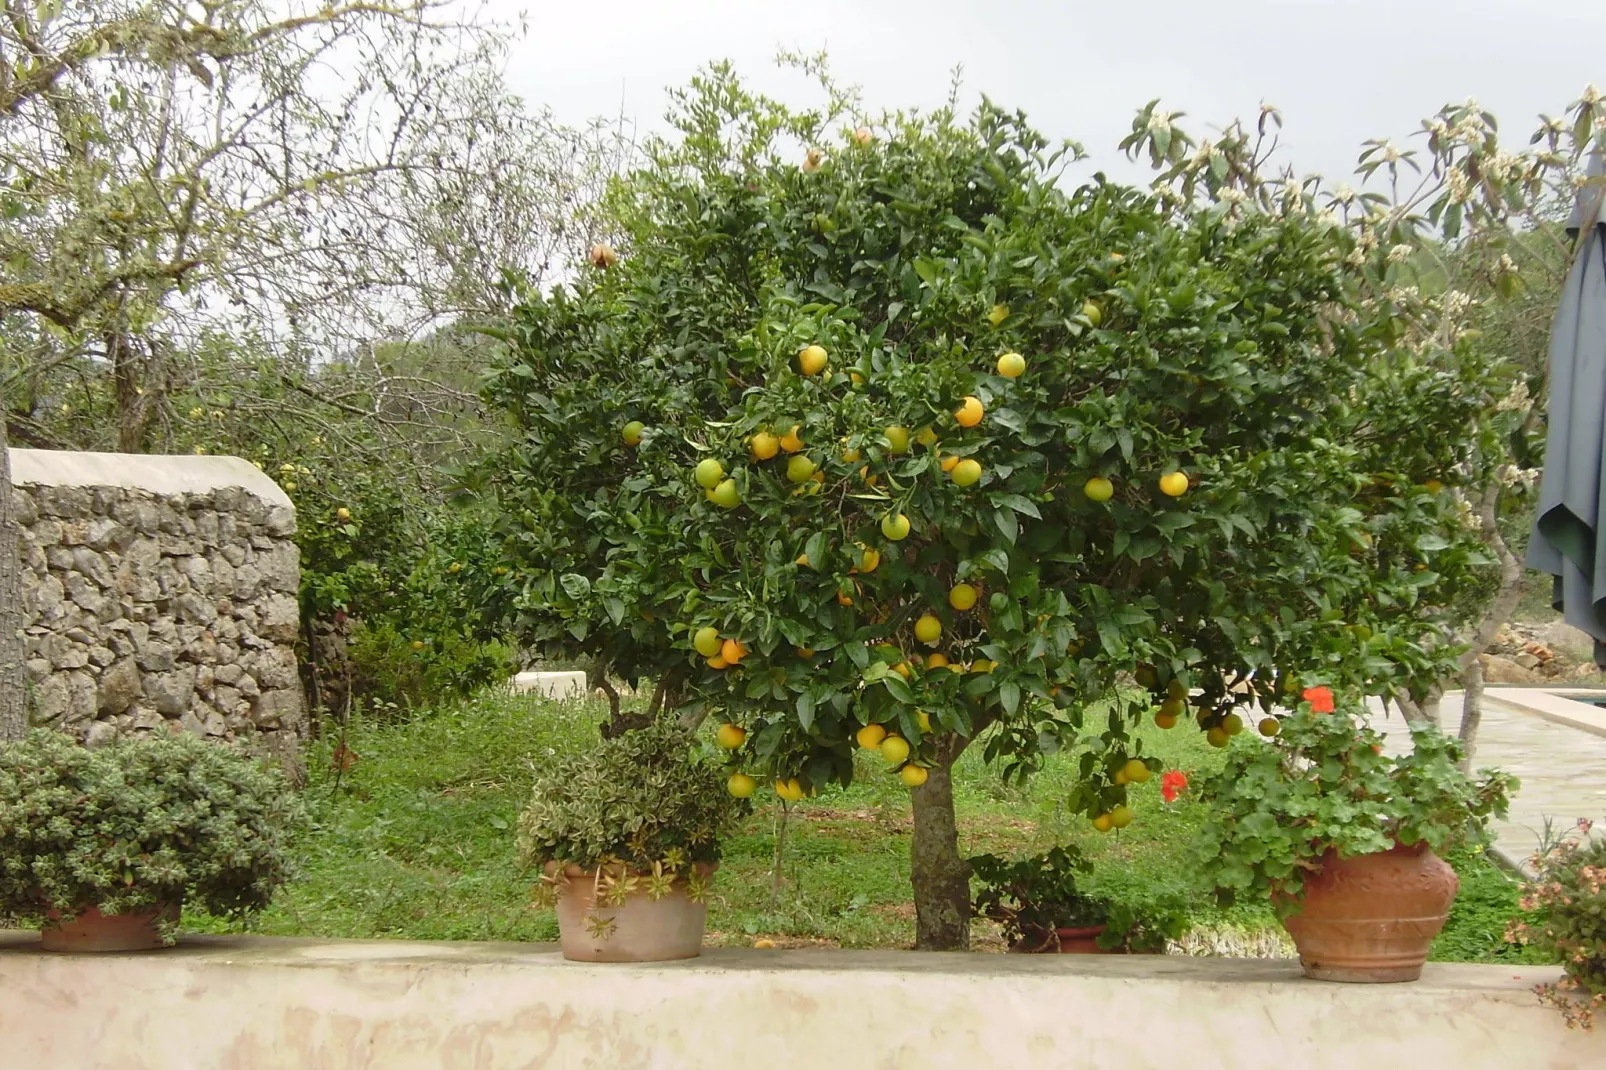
column 159, row 593
column 253, row 1003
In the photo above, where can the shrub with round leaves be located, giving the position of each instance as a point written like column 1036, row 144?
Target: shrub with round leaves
column 1324, row 784
column 145, row 822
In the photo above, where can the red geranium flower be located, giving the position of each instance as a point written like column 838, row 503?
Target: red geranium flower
column 1320, row 699
column 1172, row 784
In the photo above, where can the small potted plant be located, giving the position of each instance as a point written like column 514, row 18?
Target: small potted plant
column 628, row 836
column 1345, row 840
column 102, row 848
column 1568, row 900
column 1041, row 908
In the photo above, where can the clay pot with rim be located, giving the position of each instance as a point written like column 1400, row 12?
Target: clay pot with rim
column 92, row 932
column 1080, row 940
column 1372, row 918
column 644, row 929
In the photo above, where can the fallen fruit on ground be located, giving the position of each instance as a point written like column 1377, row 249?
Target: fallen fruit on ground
column 741, row 785
column 631, row 433
column 706, row 641
column 962, row 596
column 895, row 526
column 969, row 412
column 895, row 749
column 966, row 472
column 812, row 360
column 709, row 472
column 1011, row 365
column 870, row 736
column 1098, row 489
column 928, row 629
column 913, row 775
column 730, row 736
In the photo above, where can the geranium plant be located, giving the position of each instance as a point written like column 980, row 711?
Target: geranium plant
column 1568, row 893
column 639, row 812
column 144, row 824
column 1325, row 784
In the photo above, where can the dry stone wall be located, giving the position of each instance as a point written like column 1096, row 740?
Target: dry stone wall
column 159, row 593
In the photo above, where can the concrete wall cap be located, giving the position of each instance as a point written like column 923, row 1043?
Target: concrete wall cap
column 162, row 475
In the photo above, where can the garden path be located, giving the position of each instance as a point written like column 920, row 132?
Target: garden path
column 1562, row 768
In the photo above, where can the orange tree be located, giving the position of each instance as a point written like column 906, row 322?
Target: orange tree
column 896, row 442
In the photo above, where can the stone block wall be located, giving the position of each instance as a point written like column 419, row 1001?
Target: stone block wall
column 159, row 593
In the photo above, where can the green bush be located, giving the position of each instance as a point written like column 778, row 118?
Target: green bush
column 641, row 800
column 416, row 666
column 146, row 822
column 1031, row 897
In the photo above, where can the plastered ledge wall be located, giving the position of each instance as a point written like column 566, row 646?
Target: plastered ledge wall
column 257, row 1003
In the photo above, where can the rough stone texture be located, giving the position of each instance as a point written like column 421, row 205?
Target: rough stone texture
column 159, row 594
column 256, row 1003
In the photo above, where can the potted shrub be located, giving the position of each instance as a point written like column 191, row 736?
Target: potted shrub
column 628, row 835
column 1041, row 909
column 1568, row 899
column 1345, row 839
column 104, row 847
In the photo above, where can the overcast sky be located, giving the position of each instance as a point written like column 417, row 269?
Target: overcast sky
column 1340, row 72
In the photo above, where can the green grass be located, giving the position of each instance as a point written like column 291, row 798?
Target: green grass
column 417, row 841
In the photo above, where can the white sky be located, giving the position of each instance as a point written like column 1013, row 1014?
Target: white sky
column 1340, row 71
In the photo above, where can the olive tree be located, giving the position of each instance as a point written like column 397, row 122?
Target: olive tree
column 223, row 222
column 881, row 433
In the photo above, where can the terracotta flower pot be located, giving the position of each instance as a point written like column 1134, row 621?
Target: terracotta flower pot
column 1372, row 917
column 1082, row 940
column 91, row 931
column 643, row 929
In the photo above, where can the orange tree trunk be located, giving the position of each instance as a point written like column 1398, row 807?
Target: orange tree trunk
column 941, row 878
